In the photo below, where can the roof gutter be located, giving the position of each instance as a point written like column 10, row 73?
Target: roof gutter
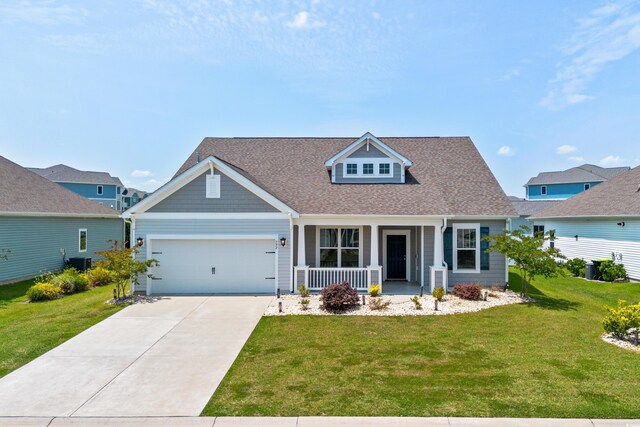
column 60, row 214
column 586, row 216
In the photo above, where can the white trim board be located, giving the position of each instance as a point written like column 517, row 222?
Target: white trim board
column 189, row 175
column 385, row 262
column 364, row 139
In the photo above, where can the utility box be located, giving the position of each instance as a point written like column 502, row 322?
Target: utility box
column 80, row 264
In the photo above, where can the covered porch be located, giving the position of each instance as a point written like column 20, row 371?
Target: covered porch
column 401, row 255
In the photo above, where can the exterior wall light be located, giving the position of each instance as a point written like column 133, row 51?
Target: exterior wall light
column 283, row 241
column 140, row 241
column 621, row 224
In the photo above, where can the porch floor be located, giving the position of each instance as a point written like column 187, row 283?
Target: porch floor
column 392, row 287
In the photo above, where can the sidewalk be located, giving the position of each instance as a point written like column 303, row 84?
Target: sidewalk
column 307, row 422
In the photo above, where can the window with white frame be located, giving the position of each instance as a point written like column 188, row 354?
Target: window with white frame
column 99, row 190
column 466, row 248
column 367, row 168
column 339, row 247
column 82, row 240
column 352, row 168
column 384, row 169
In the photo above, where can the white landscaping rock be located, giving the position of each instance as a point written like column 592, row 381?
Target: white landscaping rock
column 400, row 305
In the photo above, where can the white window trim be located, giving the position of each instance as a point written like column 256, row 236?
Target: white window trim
column 86, row 240
column 385, row 234
column 545, row 192
column 99, row 190
column 376, row 167
column 456, row 227
column 339, row 227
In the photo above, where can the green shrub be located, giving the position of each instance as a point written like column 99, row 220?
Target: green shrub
column 611, row 271
column 43, row 292
column 622, row 318
column 70, row 281
column 339, row 296
column 374, row 290
column 99, row 276
column 438, row 293
column 470, row 291
column 576, row 266
column 416, row 302
column 304, row 291
column 377, row 303
column 304, row 303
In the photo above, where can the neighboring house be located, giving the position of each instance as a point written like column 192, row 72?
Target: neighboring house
column 525, row 208
column 603, row 222
column 252, row 215
column 131, row 196
column 97, row 186
column 561, row 185
column 44, row 224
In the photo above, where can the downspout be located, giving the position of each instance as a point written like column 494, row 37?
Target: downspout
column 442, row 230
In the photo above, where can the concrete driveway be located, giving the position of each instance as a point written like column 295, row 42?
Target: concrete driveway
column 165, row 357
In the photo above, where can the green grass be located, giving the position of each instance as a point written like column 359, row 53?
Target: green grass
column 543, row 359
column 31, row 329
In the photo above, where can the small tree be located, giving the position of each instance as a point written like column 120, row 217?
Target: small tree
column 528, row 253
column 125, row 267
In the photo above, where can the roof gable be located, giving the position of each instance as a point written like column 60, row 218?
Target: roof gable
column 578, row 174
column 187, row 177
column 64, row 173
column 364, row 141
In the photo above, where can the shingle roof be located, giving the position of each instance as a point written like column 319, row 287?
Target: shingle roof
column 448, row 176
column 529, row 207
column 23, row 191
column 584, row 173
column 130, row 191
column 64, row 173
column 619, row 196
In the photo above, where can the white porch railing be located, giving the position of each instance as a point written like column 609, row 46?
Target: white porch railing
column 318, row 278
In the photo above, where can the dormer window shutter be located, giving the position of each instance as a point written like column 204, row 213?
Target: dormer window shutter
column 213, row 186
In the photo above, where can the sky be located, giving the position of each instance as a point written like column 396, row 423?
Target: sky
column 132, row 87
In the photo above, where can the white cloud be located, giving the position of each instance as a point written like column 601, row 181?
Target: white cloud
column 607, row 34
column 302, row 20
column 506, row 151
column 610, row 160
column 376, row 15
column 576, row 159
column 511, row 74
column 138, row 173
column 566, row 149
column 40, row 13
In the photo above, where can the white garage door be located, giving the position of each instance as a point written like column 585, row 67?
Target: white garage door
column 213, row 266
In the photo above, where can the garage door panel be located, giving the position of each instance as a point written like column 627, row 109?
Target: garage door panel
column 214, row 266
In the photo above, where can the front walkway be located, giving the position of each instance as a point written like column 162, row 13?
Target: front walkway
column 161, row 358
column 315, row 422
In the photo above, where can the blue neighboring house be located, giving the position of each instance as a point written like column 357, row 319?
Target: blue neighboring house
column 131, row 196
column 97, row 186
column 42, row 224
column 560, row 185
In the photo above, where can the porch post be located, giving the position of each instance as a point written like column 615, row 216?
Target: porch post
column 438, row 248
column 374, row 246
column 302, row 262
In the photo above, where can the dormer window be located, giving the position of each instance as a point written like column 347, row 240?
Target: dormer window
column 367, row 168
column 384, row 169
column 352, row 168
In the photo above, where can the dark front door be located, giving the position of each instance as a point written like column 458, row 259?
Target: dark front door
column 396, row 257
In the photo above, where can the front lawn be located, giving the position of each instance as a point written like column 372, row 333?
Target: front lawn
column 543, row 359
column 31, row 329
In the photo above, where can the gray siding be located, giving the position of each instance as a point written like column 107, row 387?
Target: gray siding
column 279, row 227
column 496, row 273
column 35, row 242
column 428, row 254
column 362, row 153
column 233, row 198
column 396, row 179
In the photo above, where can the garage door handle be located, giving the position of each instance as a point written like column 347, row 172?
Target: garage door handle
column 213, row 270
column 270, row 278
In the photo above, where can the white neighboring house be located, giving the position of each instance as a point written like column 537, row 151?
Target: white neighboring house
column 603, row 222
